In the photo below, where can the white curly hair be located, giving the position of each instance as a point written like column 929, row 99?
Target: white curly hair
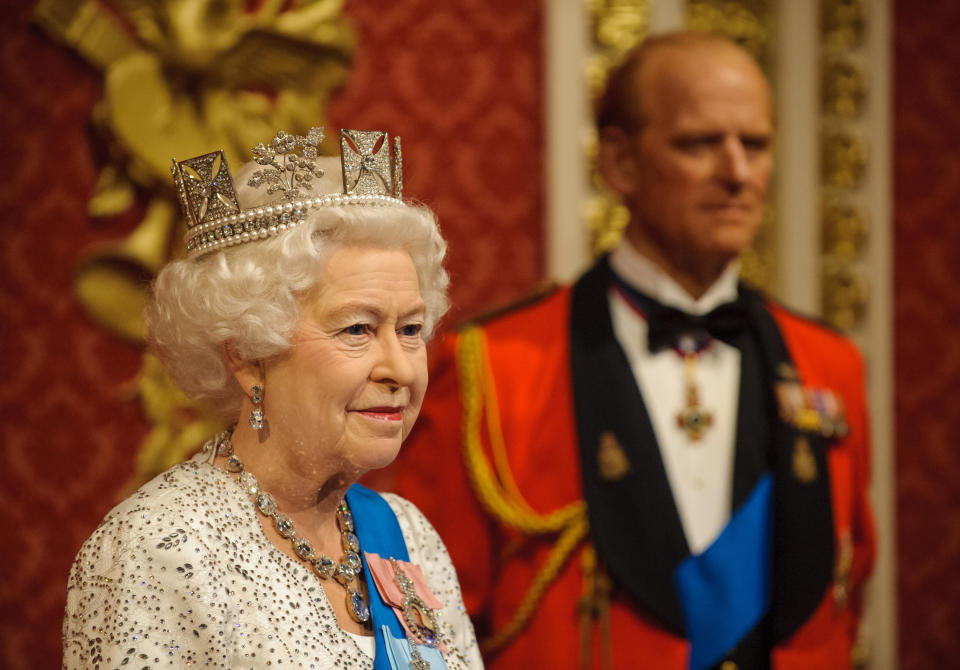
column 247, row 295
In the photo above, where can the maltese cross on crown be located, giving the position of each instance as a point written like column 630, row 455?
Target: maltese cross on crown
column 365, row 158
column 205, row 188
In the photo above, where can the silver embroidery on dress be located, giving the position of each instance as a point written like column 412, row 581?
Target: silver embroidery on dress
column 181, row 575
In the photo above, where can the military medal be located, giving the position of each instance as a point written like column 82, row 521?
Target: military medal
column 612, row 463
column 804, row 462
column 694, row 418
column 812, row 410
column 688, row 335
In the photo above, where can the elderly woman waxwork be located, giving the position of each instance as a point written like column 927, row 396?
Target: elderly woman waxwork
column 300, row 315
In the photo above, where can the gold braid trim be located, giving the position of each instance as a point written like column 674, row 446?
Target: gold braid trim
column 498, row 493
column 594, row 606
column 476, row 389
column 588, row 568
column 495, row 433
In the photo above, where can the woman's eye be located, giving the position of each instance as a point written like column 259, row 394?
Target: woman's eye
column 356, row 329
column 411, row 330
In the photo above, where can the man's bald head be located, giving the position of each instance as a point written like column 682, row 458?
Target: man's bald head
column 655, row 62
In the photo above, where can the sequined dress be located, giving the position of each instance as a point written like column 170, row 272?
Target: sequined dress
column 180, row 574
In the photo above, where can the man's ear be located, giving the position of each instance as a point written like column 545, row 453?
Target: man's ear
column 247, row 373
column 616, row 161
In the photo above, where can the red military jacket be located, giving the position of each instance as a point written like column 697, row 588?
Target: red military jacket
column 515, row 523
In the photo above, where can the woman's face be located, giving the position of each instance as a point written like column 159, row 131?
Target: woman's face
column 350, row 387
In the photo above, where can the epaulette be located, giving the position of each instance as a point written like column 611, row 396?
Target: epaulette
column 542, row 291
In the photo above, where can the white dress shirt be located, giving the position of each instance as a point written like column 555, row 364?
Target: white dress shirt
column 700, row 473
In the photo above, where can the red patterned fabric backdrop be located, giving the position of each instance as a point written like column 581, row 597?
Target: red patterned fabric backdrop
column 460, row 81
column 70, row 445
column 927, row 330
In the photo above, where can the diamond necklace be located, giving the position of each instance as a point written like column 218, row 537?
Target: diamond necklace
column 345, row 572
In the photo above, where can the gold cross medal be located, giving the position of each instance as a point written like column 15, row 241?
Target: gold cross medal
column 694, row 418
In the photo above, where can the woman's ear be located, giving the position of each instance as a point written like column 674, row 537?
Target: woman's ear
column 616, row 161
column 247, row 373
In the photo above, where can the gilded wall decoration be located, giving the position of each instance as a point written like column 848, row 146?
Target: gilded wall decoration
column 843, row 23
column 844, row 154
column 844, row 227
column 843, row 87
column 616, row 26
column 180, row 78
column 747, row 22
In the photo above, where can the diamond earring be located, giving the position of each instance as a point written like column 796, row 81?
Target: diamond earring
column 256, row 416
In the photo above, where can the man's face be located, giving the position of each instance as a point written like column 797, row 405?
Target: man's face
column 702, row 158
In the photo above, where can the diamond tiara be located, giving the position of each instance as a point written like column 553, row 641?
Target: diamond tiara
column 289, row 170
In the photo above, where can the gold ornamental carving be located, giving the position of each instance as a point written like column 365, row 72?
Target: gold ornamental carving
column 181, row 77
column 843, row 88
column 746, row 22
column 845, row 230
column 616, row 26
column 844, row 158
column 843, row 23
column 844, row 155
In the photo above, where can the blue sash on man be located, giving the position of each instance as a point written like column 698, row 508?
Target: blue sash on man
column 725, row 591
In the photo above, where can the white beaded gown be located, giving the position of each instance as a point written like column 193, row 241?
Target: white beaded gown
column 181, row 575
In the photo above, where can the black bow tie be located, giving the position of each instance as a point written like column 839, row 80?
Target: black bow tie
column 666, row 325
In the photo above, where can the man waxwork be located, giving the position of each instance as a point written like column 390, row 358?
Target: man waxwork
column 657, row 466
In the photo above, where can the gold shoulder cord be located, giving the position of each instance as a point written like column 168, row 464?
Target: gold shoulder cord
column 498, row 493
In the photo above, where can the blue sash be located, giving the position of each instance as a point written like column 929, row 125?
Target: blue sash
column 379, row 533
column 725, row 591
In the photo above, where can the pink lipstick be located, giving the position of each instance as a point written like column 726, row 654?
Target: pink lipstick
column 383, row 413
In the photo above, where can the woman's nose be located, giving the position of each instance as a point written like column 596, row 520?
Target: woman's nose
column 394, row 365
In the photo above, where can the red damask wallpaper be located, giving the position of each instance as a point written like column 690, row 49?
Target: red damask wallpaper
column 63, row 378
column 460, row 81
column 927, row 330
